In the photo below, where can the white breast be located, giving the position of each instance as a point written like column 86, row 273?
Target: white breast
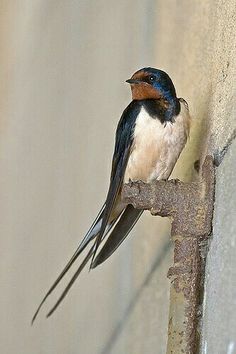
column 156, row 146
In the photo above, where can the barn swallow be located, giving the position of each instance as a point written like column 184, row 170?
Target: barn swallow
column 150, row 136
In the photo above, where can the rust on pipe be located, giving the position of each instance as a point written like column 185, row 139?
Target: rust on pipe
column 190, row 207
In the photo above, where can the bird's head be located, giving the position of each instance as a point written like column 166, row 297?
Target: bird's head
column 150, row 83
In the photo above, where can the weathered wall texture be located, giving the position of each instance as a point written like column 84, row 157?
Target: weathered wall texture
column 219, row 322
column 63, row 67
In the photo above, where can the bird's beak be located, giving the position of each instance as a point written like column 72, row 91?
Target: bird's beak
column 133, row 81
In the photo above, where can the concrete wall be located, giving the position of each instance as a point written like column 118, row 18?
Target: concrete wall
column 63, row 67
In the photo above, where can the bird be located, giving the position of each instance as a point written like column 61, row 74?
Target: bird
column 150, row 136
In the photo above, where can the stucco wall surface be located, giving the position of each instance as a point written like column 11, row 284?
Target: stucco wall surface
column 219, row 322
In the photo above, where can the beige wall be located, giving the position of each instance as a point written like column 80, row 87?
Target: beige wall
column 63, row 67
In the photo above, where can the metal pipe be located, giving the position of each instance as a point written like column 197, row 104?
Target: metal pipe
column 190, row 207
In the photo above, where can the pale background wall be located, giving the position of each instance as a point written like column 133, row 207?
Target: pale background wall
column 62, row 66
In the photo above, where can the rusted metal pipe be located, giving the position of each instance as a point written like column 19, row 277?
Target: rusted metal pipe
column 190, row 207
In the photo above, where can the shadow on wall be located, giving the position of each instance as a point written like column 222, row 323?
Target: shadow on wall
column 130, row 308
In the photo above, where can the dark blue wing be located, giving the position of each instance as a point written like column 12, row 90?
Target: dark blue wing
column 120, row 231
column 124, row 140
column 123, row 144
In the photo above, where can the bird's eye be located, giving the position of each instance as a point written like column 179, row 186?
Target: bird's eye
column 152, row 78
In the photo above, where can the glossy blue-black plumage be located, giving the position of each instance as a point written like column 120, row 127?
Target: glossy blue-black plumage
column 161, row 81
column 124, row 140
column 167, row 106
column 123, row 143
column 124, row 133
